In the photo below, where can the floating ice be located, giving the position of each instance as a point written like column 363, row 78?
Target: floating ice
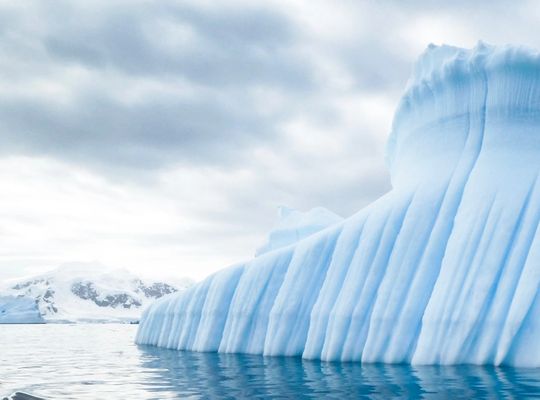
column 443, row 269
column 19, row 309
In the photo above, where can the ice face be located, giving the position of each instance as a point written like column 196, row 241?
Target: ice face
column 443, row 269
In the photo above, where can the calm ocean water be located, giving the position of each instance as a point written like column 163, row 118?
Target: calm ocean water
column 101, row 361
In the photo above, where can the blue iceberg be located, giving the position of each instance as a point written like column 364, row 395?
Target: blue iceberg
column 19, row 310
column 443, row 269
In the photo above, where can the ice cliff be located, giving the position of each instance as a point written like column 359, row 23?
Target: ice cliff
column 443, row 269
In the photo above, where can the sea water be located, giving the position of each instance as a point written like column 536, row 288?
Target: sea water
column 90, row 361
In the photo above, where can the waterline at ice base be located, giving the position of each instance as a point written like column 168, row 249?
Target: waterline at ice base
column 443, row 269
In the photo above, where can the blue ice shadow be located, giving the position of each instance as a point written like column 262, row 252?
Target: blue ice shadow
column 233, row 376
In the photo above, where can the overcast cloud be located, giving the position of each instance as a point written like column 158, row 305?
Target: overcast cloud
column 161, row 136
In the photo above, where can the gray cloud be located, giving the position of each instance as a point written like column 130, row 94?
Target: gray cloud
column 228, row 58
column 100, row 132
column 222, row 47
column 237, row 106
column 224, row 57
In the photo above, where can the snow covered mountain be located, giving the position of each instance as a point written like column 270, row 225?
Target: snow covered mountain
column 81, row 292
column 443, row 269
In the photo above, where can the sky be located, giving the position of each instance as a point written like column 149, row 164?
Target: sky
column 162, row 136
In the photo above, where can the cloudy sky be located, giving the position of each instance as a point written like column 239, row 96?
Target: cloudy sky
column 161, row 136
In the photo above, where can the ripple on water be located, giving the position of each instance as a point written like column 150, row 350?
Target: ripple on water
column 101, row 361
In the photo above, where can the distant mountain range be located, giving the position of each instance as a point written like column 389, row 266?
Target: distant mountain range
column 81, row 293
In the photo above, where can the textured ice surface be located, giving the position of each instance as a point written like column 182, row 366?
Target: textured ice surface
column 443, row 269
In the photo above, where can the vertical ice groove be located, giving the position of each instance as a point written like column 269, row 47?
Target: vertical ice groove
column 341, row 313
column 409, row 321
column 258, row 323
column 436, row 319
column 193, row 315
column 358, row 323
column 333, row 337
column 289, row 318
column 425, row 273
column 459, row 180
column 397, row 342
column 524, row 292
column 485, row 334
column 525, row 348
column 470, row 304
column 247, row 320
column 387, row 304
column 445, row 268
column 458, row 302
column 166, row 326
column 216, row 309
column 345, row 252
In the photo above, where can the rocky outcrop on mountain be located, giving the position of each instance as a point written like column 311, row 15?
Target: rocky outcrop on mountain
column 86, row 293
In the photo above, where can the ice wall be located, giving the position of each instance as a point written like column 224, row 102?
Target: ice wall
column 443, row 269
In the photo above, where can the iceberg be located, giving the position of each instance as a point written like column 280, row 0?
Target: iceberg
column 19, row 310
column 443, row 269
column 294, row 225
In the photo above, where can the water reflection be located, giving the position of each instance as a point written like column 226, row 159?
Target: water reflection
column 57, row 361
column 231, row 376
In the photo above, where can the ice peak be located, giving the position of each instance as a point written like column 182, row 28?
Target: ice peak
column 294, row 225
column 454, row 94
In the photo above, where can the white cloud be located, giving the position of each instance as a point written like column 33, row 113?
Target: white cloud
column 162, row 139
